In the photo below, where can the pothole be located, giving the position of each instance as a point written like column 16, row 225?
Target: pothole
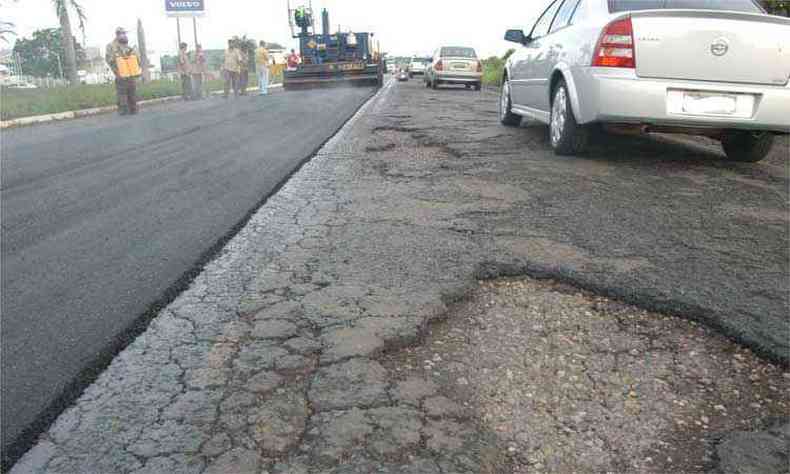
column 571, row 382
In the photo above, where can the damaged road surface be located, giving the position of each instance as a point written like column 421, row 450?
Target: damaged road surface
column 279, row 357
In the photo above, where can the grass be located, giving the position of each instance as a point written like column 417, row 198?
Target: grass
column 492, row 71
column 18, row 103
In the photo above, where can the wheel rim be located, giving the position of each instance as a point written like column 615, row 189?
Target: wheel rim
column 504, row 100
column 558, row 115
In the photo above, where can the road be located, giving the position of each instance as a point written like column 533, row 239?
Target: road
column 104, row 216
column 276, row 357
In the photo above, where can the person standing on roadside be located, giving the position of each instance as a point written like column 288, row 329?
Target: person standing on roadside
column 199, row 68
column 231, row 69
column 125, row 64
column 184, row 71
column 293, row 60
column 262, row 66
column 244, row 67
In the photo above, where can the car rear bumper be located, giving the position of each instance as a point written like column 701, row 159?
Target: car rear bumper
column 619, row 96
column 458, row 77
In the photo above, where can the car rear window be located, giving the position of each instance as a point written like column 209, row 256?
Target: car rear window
column 749, row 6
column 458, row 53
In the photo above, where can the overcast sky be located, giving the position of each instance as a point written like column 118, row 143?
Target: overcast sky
column 404, row 27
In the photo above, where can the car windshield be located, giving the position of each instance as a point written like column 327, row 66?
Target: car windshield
column 749, row 6
column 458, row 53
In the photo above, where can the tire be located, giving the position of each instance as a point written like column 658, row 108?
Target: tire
column 478, row 86
column 434, row 84
column 748, row 147
column 567, row 137
column 428, row 84
column 506, row 115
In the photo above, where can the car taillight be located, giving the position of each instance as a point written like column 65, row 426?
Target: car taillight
column 479, row 66
column 439, row 66
column 616, row 46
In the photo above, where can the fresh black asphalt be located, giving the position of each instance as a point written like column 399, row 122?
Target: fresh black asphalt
column 106, row 216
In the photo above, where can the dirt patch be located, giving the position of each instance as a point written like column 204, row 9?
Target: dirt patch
column 571, row 382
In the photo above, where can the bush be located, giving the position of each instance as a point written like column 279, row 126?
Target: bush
column 493, row 68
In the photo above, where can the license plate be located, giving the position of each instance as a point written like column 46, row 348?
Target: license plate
column 460, row 66
column 716, row 104
column 352, row 67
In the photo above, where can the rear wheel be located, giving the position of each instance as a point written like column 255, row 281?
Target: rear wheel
column 749, row 147
column 478, row 86
column 506, row 115
column 567, row 136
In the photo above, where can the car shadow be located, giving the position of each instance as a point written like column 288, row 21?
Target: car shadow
column 646, row 150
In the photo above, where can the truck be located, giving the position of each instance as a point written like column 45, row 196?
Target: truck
column 331, row 59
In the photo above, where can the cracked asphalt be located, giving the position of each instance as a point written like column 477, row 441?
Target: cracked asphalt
column 271, row 360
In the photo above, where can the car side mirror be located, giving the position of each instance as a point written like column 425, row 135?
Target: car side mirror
column 516, row 36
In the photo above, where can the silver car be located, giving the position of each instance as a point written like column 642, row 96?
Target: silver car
column 719, row 68
column 455, row 65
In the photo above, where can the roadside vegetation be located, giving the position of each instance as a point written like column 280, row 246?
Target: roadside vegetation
column 493, row 67
column 18, row 103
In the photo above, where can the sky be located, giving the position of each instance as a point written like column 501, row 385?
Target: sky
column 403, row 27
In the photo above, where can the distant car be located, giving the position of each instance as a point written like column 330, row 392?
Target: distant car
column 719, row 69
column 455, row 65
column 417, row 67
column 403, row 75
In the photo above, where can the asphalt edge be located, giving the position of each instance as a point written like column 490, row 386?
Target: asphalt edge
column 75, row 114
column 13, row 452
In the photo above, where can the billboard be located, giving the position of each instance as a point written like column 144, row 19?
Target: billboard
column 185, row 7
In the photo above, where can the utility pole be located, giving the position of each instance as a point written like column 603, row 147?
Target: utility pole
column 194, row 27
column 178, row 28
column 143, row 51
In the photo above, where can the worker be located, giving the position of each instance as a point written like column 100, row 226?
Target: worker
column 119, row 55
column 301, row 17
column 231, row 69
column 244, row 66
column 293, row 60
column 262, row 66
column 184, row 71
column 199, row 69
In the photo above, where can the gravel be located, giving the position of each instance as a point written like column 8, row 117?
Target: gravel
column 571, row 382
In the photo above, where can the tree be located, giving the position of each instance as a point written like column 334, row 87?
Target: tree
column 43, row 55
column 70, row 57
column 777, row 7
column 6, row 29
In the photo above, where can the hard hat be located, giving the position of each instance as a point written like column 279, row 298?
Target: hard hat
column 119, row 30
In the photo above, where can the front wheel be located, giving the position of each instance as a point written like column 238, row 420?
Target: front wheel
column 506, row 115
column 749, row 147
column 434, row 84
column 567, row 136
column 478, row 86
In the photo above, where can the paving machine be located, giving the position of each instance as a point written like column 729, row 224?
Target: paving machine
column 331, row 59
